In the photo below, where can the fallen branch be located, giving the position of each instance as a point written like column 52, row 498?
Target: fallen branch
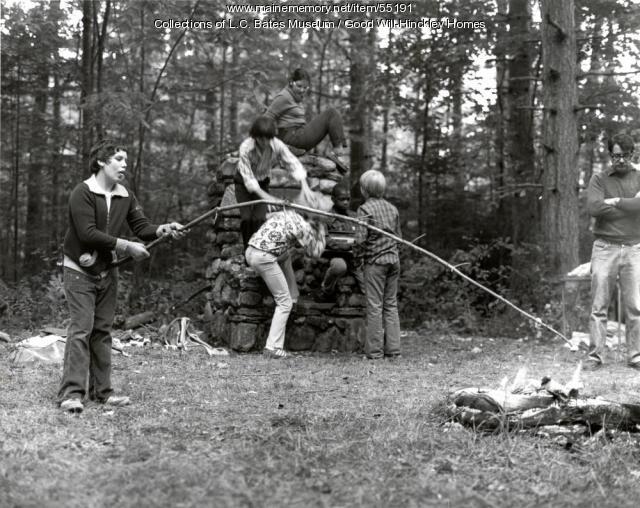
column 138, row 319
column 284, row 204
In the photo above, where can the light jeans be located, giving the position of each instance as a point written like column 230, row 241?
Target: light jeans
column 278, row 275
column 383, row 323
column 610, row 261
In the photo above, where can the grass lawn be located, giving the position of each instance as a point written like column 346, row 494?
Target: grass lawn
column 318, row 430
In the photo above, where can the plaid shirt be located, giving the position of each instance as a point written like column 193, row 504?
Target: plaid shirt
column 376, row 248
column 283, row 230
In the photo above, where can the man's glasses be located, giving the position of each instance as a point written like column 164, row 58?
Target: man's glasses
column 620, row 156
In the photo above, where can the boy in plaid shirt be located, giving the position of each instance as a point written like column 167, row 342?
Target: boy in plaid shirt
column 381, row 267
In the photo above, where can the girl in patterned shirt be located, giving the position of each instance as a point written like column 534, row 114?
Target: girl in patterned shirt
column 268, row 255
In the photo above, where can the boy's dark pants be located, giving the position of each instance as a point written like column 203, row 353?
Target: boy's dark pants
column 309, row 135
column 92, row 305
column 251, row 217
column 383, row 323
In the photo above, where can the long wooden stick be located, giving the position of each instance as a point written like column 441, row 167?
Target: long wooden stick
column 286, row 204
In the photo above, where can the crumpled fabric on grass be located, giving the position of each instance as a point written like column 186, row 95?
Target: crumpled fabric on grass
column 48, row 349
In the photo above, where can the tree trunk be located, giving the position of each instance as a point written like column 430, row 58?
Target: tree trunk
column 233, row 99
column 223, row 78
column 86, row 129
column 456, row 91
column 595, row 66
column 102, row 36
column 369, row 92
column 358, row 120
column 388, row 91
column 422, row 164
column 560, row 136
column 213, row 151
column 321, row 61
column 519, row 139
column 16, row 179
column 56, row 217
column 35, row 233
column 502, row 76
column 55, row 230
column 136, row 173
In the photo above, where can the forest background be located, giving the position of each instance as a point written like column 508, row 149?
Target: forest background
column 487, row 135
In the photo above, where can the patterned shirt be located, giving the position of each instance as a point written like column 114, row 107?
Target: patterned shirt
column 283, row 230
column 246, row 163
column 376, row 248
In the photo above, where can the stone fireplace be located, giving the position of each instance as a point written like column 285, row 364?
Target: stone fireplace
column 241, row 304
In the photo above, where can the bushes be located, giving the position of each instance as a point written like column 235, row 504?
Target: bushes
column 427, row 292
column 34, row 302
column 39, row 300
column 432, row 292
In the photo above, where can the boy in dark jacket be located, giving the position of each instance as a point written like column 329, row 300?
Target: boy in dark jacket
column 340, row 241
column 99, row 209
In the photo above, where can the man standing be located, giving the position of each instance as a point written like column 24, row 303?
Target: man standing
column 100, row 208
column 613, row 199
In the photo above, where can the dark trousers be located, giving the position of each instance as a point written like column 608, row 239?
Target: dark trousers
column 87, row 353
column 251, row 217
column 309, row 135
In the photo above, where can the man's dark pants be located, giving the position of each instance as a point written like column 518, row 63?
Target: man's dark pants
column 92, row 305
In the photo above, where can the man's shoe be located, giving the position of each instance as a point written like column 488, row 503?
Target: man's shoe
column 276, row 354
column 592, row 365
column 117, row 401
column 634, row 365
column 72, row 406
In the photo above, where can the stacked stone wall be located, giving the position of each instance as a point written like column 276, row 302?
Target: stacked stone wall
column 241, row 303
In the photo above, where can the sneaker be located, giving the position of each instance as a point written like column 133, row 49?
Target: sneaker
column 635, row 365
column 117, row 401
column 340, row 162
column 392, row 356
column 72, row 406
column 594, row 362
column 276, row 354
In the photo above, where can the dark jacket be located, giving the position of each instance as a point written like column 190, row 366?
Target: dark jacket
column 92, row 229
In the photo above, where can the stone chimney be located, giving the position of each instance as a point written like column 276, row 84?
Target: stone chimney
column 241, row 303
